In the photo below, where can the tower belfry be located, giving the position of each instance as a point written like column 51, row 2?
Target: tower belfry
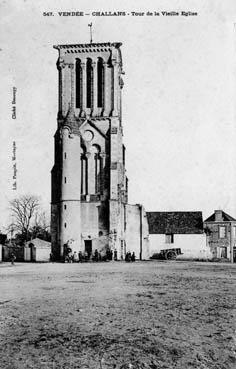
column 89, row 186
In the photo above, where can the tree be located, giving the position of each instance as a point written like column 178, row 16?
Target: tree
column 41, row 226
column 23, row 211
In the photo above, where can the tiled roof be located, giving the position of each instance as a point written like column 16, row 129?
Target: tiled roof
column 226, row 218
column 176, row 222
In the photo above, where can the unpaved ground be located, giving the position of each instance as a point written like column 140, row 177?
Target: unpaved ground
column 118, row 315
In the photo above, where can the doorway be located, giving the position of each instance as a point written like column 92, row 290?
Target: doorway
column 88, row 247
column 32, row 252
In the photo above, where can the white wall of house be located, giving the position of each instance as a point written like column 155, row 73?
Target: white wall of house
column 43, row 254
column 193, row 246
column 27, row 254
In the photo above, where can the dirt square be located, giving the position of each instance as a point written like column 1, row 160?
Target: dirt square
column 115, row 315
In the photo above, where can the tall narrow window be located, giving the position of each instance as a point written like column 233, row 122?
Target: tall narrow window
column 84, row 171
column 222, row 231
column 100, row 84
column 170, row 238
column 234, row 231
column 98, row 173
column 123, row 147
column 89, row 71
column 78, row 84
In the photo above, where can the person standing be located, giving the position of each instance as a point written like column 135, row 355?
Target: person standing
column 96, row 255
column 75, row 257
column 13, row 258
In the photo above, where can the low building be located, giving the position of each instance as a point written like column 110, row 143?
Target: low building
column 177, row 233
column 37, row 250
column 220, row 229
column 3, row 238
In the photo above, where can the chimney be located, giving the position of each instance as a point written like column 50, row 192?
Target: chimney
column 218, row 216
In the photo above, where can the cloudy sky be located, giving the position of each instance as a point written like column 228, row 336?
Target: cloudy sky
column 178, row 98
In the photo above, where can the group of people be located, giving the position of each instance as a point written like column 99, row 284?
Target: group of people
column 76, row 257
column 130, row 257
column 73, row 257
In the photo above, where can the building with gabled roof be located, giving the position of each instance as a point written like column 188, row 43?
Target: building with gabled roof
column 37, row 250
column 179, row 230
column 220, row 229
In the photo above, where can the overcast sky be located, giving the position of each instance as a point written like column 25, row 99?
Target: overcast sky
column 178, row 98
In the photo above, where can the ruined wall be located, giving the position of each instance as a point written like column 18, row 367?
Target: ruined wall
column 95, row 225
column 136, row 231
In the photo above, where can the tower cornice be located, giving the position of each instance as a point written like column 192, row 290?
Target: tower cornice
column 91, row 47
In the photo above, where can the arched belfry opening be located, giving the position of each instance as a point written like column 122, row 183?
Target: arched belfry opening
column 78, row 84
column 97, row 169
column 100, row 83
column 89, row 72
column 84, row 171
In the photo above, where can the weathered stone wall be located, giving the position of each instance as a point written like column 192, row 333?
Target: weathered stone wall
column 136, row 232
column 68, row 55
column 216, row 243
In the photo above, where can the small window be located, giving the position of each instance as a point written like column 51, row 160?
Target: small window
column 223, row 252
column 170, row 238
column 65, row 155
column 234, row 231
column 65, row 179
column 222, row 231
column 65, row 225
column 65, row 206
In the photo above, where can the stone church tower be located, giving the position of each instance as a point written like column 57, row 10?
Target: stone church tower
column 89, row 187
